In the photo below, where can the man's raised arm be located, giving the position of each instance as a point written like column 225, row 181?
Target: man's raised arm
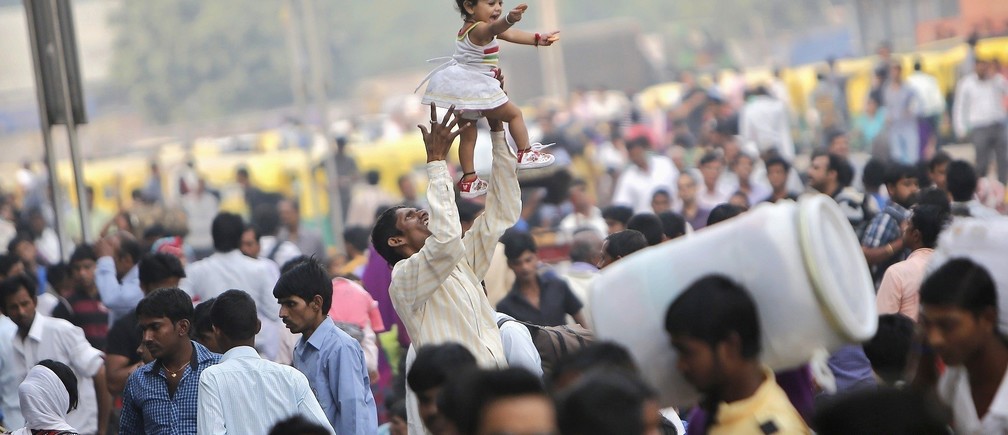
column 416, row 278
column 503, row 204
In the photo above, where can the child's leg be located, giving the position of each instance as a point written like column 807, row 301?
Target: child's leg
column 511, row 114
column 467, row 149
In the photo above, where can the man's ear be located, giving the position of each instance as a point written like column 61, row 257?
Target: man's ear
column 183, row 326
column 316, row 302
column 257, row 328
column 396, row 241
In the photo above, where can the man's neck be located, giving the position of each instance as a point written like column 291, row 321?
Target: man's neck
column 529, row 286
column 990, row 363
column 780, row 193
column 745, row 385
column 90, row 290
column 180, row 358
column 307, row 333
column 226, row 345
column 23, row 332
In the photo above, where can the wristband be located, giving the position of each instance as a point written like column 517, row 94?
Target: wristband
column 537, row 38
column 506, row 20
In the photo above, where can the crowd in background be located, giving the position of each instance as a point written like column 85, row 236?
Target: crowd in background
column 627, row 177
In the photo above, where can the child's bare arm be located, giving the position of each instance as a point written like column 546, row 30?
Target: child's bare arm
column 516, row 36
column 482, row 35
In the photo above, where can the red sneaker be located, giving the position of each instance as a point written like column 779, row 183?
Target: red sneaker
column 473, row 188
column 533, row 157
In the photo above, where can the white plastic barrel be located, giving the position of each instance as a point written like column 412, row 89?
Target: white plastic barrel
column 985, row 241
column 801, row 262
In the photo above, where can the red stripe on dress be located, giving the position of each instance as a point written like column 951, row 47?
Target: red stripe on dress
column 491, row 50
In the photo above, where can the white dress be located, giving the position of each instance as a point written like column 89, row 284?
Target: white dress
column 469, row 79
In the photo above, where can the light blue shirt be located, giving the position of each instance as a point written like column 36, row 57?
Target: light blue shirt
column 334, row 364
column 279, row 391
column 120, row 298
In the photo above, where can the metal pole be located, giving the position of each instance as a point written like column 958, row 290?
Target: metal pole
column 71, row 126
column 553, row 71
column 50, row 158
column 297, row 63
column 318, row 68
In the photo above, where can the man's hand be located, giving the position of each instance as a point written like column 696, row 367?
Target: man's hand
column 516, row 14
column 103, row 248
column 438, row 140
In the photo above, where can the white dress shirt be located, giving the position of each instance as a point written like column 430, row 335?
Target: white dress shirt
column 576, row 221
column 224, row 271
column 59, row 340
column 245, row 394
column 519, row 349
column 766, row 122
column 200, row 209
column 9, row 402
column 635, row 186
column 929, row 95
column 978, row 103
column 287, row 250
column 954, row 390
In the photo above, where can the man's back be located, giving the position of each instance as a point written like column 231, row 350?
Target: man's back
column 219, row 272
column 246, row 394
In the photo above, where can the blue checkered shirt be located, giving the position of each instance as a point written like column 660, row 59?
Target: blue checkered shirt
column 883, row 229
column 149, row 409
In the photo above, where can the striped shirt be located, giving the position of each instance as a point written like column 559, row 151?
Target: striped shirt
column 148, row 408
column 437, row 291
column 280, row 391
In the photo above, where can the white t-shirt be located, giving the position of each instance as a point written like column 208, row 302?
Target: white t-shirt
column 954, row 390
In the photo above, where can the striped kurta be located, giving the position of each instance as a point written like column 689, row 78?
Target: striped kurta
column 437, row 291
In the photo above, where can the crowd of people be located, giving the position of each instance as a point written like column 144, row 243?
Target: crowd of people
column 182, row 318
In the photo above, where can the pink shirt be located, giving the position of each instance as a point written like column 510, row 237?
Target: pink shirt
column 352, row 304
column 900, row 288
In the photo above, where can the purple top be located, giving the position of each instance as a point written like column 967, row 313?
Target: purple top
column 376, row 279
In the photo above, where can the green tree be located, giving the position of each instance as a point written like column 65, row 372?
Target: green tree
column 194, row 59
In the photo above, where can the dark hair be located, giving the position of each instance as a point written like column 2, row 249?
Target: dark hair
column 227, row 229
column 155, row 232
column 940, row 158
column 934, row 196
column 517, row 243
column 266, row 218
column 897, row 171
column 129, row 247
column 713, row 308
column 649, row 225
column 468, row 210
column 7, row 262
column 464, row 400
column 662, row 192
column 435, row 364
column 83, row 252
column 299, row 425
column 372, row 177
column 623, row 243
column 67, row 377
column 242, row 172
column 674, row 224
column 874, row 173
column 384, row 229
column 18, row 239
column 778, row 161
column 638, row 142
column 201, row 319
column 357, row 236
column 882, row 411
column 889, row 349
column 961, row 179
column 617, row 213
column 306, row 280
column 709, row 157
column 600, row 355
column 723, row 212
column 845, row 173
column 11, row 285
column 930, row 220
column 960, row 283
column 157, row 267
column 460, row 5
column 604, row 403
column 289, row 264
column 918, row 64
column 234, row 314
column 172, row 303
column 833, row 134
column 57, row 273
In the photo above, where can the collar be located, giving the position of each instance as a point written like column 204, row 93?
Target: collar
column 38, row 327
column 201, row 355
column 240, row 352
column 745, row 408
column 318, row 337
column 581, row 266
column 899, row 209
column 920, row 252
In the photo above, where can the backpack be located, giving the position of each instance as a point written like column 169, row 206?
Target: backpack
column 555, row 342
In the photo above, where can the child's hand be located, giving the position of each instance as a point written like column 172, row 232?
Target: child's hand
column 549, row 38
column 516, row 14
